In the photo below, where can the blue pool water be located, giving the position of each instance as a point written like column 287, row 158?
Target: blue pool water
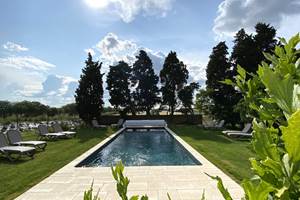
column 141, row 148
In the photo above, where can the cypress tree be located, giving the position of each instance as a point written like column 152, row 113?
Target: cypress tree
column 145, row 83
column 118, row 83
column 173, row 76
column 89, row 94
column 224, row 97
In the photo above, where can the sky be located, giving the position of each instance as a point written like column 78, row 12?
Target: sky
column 43, row 44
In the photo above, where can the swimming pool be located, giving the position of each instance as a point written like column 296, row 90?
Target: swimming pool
column 141, row 148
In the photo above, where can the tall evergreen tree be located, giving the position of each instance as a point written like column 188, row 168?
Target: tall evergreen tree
column 89, row 94
column 118, row 83
column 223, row 96
column 173, row 76
column 145, row 81
column 265, row 40
column 186, row 95
column 247, row 49
column 244, row 52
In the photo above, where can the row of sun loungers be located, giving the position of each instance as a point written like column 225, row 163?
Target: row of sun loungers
column 246, row 132
column 13, row 147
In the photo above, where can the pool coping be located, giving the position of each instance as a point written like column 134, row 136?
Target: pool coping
column 183, row 176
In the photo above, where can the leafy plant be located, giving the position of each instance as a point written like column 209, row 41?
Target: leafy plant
column 123, row 182
column 88, row 195
column 271, row 97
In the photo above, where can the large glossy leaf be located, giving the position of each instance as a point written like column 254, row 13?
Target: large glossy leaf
column 263, row 143
column 291, row 136
column 257, row 189
column 279, row 88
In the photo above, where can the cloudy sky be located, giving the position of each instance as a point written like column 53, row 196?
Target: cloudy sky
column 43, row 44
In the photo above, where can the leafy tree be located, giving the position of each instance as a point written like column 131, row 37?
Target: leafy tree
column 173, row 76
column 118, row 85
column 224, row 97
column 89, row 94
column 5, row 108
column 69, row 109
column 145, row 83
column 186, row 95
column 203, row 102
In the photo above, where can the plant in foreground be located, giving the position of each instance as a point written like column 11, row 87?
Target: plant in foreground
column 272, row 98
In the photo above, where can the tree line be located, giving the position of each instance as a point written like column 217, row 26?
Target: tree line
column 33, row 109
column 223, row 101
column 135, row 89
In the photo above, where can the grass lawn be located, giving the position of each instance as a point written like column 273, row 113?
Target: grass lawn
column 230, row 155
column 17, row 177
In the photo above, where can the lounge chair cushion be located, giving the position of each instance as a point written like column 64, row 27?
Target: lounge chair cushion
column 34, row 143
column 16, row 149
column 240, row 134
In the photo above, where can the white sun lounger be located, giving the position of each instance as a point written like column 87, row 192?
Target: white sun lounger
column 239, row 134
column 216, row 126
column 57, row 128
column 14, row 137
column 246, row 130
column 43, row 133
column 96, row 125
column 19, row 151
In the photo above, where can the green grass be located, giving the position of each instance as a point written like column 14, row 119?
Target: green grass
column 230, row 155
column 17, row 177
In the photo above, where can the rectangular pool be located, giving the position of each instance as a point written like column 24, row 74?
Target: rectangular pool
column 141, row 148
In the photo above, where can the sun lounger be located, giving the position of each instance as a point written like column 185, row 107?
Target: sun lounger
column 14, row 137
column 96, row 125
column 57, row 128
column 43, row 133
column 216, row 126
column 239, row 134
column 119, row 124
column 18, row 151
column 246, row 129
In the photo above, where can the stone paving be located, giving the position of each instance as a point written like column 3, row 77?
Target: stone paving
column 181, row 182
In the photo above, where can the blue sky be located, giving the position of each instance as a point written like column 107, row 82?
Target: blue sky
column 44, row 43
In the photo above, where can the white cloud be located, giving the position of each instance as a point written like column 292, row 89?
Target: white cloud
column 11, row 46
column 127, row 10
column 25, row 62
column 113, row 49
column 57, row 90
column 27, row 78
column 236, row 14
